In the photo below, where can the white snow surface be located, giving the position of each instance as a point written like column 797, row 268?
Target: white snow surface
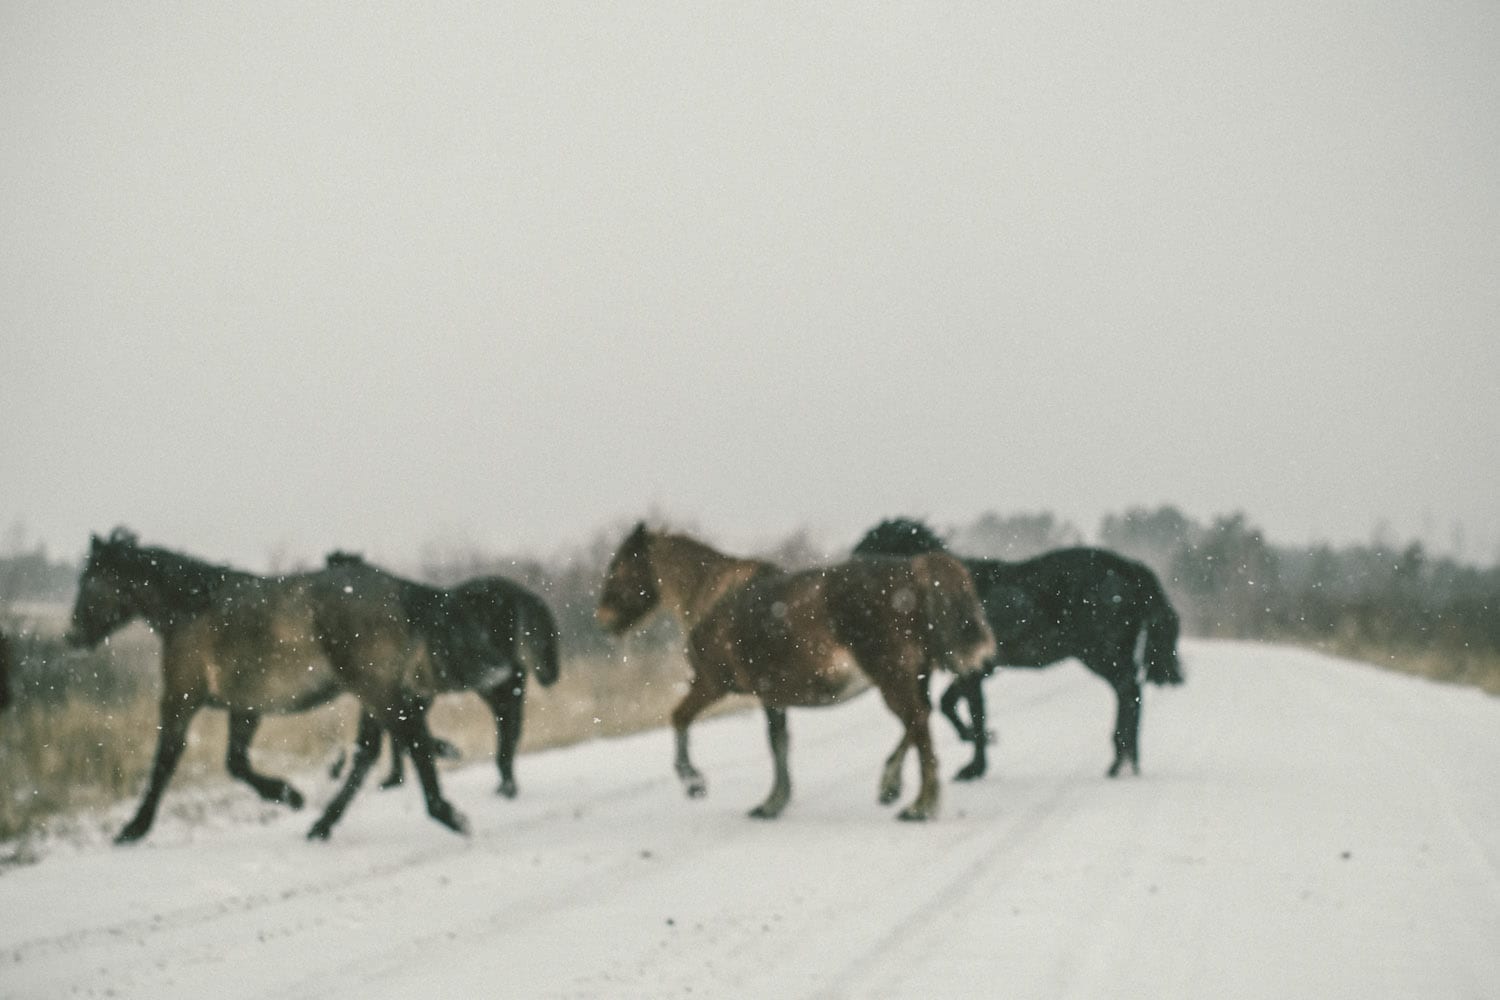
column 1303, row 827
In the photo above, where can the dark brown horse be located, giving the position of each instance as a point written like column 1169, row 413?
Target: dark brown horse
column 1086, row 603
column 521, row 626
column 257, row 645
column 811, row 638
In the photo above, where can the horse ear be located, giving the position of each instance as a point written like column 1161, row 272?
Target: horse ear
column 639, row 532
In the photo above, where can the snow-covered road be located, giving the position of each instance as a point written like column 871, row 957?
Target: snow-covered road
column 1304, row 827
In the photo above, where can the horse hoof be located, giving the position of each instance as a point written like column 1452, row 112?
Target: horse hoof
column 292, row 798
column 390, row 783
column 507, row 789
column 969, row 772
column 453, row 820
column 766, row 811
column 320, row 831
column 911, row 814
column 131, row 834
column 888, row 795
column 696, row 789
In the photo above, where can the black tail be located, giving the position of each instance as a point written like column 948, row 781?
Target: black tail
column 1162, row 666
column 536, row 635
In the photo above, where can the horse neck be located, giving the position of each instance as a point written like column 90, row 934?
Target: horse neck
column 692, row 577
column 167, row 587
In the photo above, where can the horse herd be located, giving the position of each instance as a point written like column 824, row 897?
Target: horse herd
column 892, row 615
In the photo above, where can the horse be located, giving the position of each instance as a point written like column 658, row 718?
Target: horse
column 810, row 638
column 255, row 645
column 1086, row 603
column 522, row 626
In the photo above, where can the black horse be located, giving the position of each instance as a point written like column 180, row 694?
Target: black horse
column 522, row 628
column 1086, row 603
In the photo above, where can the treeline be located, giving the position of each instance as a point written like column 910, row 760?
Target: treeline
column 1394, row 603
column 1383, row 601
column 1386, row 601
column 32, row 575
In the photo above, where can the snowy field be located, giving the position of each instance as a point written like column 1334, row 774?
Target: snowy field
column 1305, row 827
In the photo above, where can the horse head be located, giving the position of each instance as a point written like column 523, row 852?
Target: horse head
column 630, row 590
column 899, row 536
column 105, row 601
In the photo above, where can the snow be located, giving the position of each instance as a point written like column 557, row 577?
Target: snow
column 1303, row 827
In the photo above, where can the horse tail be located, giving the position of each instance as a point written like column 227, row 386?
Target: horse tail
column 1160, row 652
column 959, row 637
column 537, row 640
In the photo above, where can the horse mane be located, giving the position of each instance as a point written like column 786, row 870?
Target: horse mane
column 184, row 582
column 696, row 548
column 899, row 536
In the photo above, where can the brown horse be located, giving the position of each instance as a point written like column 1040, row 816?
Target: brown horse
column 811, row 638
column 257, row 645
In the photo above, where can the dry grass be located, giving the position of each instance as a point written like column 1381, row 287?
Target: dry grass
column 60, row 757
column 1451, row 665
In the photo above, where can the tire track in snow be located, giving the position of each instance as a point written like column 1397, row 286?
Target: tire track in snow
column 443, row 847
column 978, row 856
column 441, row 850
column 149, row 932
column 559, row 897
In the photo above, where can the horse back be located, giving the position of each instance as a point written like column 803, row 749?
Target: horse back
column 774, row 637
column 1069, row 602
column 376, row 630
column 255, row 646
column 922, row 609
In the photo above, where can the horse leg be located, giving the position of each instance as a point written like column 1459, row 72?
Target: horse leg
column 242, row 726
column 176, row 713
column 890, row 776
column 971, row 688
column 409, row 730
column 699, row 696
column 395, row 777
column 366, row 749
column 781, row 787
column 949, row 705
column 926, row 803
column 506, row 702
column 440, row 748
column 909, row 701
column 1127, row 723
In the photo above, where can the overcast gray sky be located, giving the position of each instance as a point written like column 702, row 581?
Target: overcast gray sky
column 284, row 276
